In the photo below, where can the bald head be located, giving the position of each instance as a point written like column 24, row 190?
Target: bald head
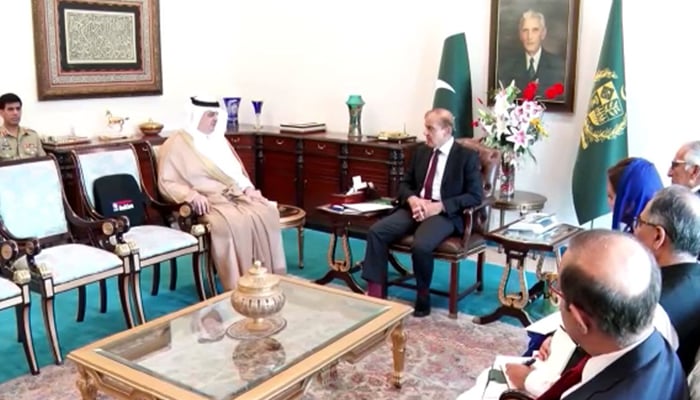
column 613, row 279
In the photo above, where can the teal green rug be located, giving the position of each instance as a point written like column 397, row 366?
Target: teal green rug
column 73, row 335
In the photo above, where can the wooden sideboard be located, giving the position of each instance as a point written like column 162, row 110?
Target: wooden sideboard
column 297, row 169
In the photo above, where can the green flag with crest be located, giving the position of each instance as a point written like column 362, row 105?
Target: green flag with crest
column 453, row 90
column 604, row 136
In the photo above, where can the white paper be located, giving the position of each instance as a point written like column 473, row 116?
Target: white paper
column 546, row 325
column 367, row 207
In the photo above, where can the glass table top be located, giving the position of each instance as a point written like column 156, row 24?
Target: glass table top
column 194, row 352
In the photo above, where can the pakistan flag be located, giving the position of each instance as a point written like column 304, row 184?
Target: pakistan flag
column 453, row 90
column 604, row 136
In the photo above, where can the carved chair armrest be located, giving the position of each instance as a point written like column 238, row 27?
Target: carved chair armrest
column 475, row 220
column 514, row 394
column 9, row 253
column 105, row 233
column 183, row 213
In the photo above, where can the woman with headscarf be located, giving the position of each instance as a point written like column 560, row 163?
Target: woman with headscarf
column 632, row 182
column 199, row 166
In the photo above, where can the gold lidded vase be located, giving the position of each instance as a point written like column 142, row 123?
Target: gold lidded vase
column 258, row 297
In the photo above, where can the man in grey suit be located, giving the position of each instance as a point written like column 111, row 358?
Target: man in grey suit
column 685, row 167
column 535, row 63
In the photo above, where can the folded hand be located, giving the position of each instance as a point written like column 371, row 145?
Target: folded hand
column 200, row 204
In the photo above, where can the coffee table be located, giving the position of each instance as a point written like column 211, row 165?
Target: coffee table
column 188, row 354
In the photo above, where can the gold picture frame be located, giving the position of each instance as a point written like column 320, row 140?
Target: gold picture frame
column 97, row 48
column 558, row 44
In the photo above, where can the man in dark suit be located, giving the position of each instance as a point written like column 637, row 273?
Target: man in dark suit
column 535, row 63
column 609, row 285
column 669, row 226
column 442, row 180
column 685, row 167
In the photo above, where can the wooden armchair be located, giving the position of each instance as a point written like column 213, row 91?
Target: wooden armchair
column 14, row 292
column 60, row 250
column 455, row 249
column 155, row 241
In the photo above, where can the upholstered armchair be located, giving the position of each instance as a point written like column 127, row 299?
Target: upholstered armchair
column 60, row 250
column 155, row 241
column 457, row 248
column 14, row 292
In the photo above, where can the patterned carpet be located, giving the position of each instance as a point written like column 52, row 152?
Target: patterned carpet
column 443, row 358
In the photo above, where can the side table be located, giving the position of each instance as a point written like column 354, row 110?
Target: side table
column 517, row 245
column 522, row 201
column 344, row 268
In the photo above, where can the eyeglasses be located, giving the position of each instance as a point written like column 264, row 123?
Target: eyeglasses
column 675, row 164
column 638, row 221
column 555, row 288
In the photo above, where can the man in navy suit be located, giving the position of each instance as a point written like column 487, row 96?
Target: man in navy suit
column 535, row 63
column 442, row 180
column 685, row 167
column 609, row 285
column 669, row 226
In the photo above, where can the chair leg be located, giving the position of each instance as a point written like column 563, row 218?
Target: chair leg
column 50, row 325
column 103, row 296
column 136, row 296
column 300, row 241
column 173, row 274
column 124, row 299
column 454, row 289
column 81, row 304
column 480, row 261
column 211, row 276
column 27, row 342
column 156, row 280
column 20, row 330
column 197, row 272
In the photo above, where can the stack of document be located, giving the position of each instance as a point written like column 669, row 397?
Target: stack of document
column 536, row 223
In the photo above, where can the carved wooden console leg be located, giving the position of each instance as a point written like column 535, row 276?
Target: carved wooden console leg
column 340, row 269
column 398, row 340
column 86, row 385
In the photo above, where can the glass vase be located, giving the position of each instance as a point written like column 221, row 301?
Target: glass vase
column 355, row 104
column 257, row 108
column 508, row 166
column 232, row 104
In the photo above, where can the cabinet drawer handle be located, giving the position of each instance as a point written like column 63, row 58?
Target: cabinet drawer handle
column 369, row 152
column 321, row 146
column 279, row 141
column 236, row 140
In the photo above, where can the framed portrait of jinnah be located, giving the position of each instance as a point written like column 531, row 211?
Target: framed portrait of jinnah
column 535, row 40
column 97, row 48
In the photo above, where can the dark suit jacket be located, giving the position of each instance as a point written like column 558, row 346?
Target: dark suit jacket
column 550, row 70
column 461, row 185
column 650, row 371
column 680, row 298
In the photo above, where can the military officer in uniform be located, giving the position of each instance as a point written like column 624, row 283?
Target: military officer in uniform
column 16, row 142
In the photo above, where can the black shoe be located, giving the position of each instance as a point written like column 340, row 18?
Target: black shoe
column 422, row 307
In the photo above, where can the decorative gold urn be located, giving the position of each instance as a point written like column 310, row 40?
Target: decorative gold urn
column 257, row 296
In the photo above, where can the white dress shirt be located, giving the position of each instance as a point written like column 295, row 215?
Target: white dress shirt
column 536, row 58
column 440, row 168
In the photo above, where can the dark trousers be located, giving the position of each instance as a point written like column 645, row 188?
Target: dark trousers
column 428, row 234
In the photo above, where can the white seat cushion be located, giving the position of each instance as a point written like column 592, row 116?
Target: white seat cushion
column 155, row 240
column 8, row 289
column 68, row 262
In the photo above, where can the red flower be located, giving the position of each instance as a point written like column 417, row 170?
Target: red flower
column 554, row 91
column 475, row 123
column 530, row 91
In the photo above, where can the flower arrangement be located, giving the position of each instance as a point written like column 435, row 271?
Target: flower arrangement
column 514, row 124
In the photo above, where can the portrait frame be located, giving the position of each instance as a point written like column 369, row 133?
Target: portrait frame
column 97, row 48
column 557, row 58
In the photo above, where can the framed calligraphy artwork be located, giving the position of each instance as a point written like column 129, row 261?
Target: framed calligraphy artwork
column 97, row 48
column 535, row 40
